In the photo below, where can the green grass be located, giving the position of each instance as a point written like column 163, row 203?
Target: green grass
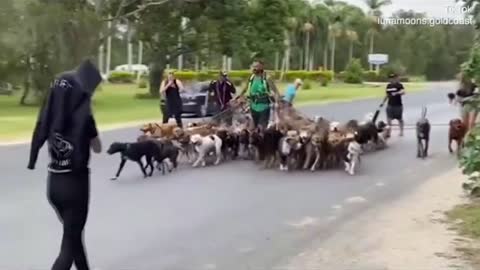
column 115, row 104
column 469, row 214
column 347, row 92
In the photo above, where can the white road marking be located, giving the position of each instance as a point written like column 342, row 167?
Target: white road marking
column 380, row 184
column 356, row 199
column 306, row 221
column 337, row 207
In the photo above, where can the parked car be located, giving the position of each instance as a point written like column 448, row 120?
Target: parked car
column 198, row 101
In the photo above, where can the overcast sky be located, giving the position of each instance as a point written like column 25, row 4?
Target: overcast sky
column 433, row 8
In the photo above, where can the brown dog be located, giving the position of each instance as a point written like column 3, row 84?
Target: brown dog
column 456, row 133
column 157, row 130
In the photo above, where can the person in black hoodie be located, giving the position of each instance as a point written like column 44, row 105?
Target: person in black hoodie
column 66, row 123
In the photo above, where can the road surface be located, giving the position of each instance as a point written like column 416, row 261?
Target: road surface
column 234, row 216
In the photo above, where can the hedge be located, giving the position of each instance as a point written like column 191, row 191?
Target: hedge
column 245, row 75
column 121, row 77
column 372, row 76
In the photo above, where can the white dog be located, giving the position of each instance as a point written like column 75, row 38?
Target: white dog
column 204, row 145
column 353, row 156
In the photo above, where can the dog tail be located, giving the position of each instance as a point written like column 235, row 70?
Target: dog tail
column 424, row 112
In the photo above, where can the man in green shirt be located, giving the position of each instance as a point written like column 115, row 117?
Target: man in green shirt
column 259, row 90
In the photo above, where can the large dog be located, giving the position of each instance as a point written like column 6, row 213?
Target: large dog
column 204, row 145
column 456, row 132
column 135, row 152
column 423, row 134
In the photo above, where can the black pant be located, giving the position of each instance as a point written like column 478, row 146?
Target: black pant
column 166, row 115
column 261, row 118
column 69, row 194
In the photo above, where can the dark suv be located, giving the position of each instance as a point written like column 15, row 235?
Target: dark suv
column 197, row 100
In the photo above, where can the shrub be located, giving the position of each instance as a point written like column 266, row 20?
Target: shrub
column 307, row 85
column 324, row 82
column 354, row 72
column 371, row 76
column 142, row 84
column 470, row 161
column 121, row 77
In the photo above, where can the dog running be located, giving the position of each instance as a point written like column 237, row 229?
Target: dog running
column 135, row 152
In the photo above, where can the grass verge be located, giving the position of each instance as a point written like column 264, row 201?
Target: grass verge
column 466, row 220
column 115, row 104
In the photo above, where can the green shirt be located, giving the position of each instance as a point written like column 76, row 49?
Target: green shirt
column 258, row 87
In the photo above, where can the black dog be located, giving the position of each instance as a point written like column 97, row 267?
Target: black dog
column 423, row 134
column 135, row 152
column 167, row 150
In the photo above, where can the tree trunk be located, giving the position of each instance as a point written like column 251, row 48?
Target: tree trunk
column 287, row 51
column 307, row 50
column 109, row 50
column 101, row 57
column 229, row 63
column 277, row 60
column 372, row 38
column 197, row 63
column 129, row 47
column 180, row 57
column 325, row 56
column 332, row 55
column 156, row 75
column 26, row 82
column 311, row 61
column 224, row 62
column 140, row 59
column 350, row 51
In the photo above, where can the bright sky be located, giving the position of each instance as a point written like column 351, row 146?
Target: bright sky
column 433, row 8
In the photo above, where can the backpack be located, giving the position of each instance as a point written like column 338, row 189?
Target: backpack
column 264, row 81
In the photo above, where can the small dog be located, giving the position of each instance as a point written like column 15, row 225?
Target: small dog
column 168, row 155
column 354, row 150
column 423, row 134
column 204, row 145
column 135, row 152
column 288, row 145
column 456, row 132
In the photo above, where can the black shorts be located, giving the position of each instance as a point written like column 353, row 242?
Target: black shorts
column 395, row 112
column 261, row 118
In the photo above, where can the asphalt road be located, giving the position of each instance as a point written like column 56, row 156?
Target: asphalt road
column 234, row 216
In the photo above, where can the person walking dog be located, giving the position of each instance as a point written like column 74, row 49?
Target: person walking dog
column 223, row 90
column 291, row 91
column 66, row 123
column 261, row 92
column 394, row 110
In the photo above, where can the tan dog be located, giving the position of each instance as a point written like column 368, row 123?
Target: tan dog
column 159, row 131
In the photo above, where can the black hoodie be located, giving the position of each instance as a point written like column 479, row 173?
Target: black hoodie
column 65, row 121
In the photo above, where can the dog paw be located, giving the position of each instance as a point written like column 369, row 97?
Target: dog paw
column 114, row 178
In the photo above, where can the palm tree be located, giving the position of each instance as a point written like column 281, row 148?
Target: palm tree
column 374, row 13
column 335, row 32
column 308, row 29
column 352, row 37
